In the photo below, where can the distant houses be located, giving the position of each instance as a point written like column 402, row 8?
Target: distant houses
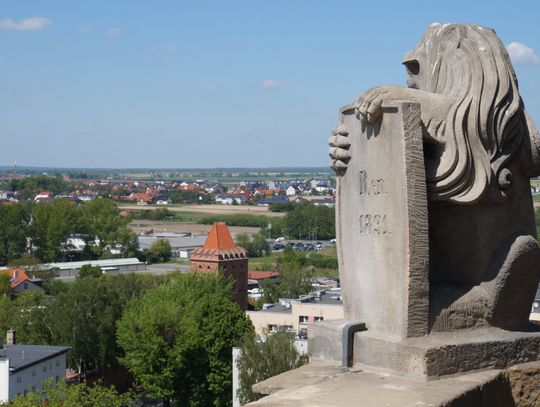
column 20, row 282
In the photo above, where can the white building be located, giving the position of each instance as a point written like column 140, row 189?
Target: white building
column 25, row 367
column 290, row 191
column 295, row 315
column 111, row 266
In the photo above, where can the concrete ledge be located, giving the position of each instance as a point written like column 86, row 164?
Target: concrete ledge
column 325, row 386
column 447, row 353
column 430, row 356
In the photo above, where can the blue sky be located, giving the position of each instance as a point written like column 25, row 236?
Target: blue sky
column 178, row 84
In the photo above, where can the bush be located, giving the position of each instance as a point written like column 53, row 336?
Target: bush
column 261, row 360
column 256, row 246
column 159, row 251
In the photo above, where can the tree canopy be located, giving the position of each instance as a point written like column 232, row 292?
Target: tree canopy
column 260, row 360
column 159, row 251
column 43, row 230
column 256, row 245
column 178, row 340
column 79, row 395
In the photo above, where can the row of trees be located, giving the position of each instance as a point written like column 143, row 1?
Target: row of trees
column 79, row 395
column 174, row 333
column 42, row 230
column 29, row 186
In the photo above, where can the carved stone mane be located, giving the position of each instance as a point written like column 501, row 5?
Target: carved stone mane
column 484, row 126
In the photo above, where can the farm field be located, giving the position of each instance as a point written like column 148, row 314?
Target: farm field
column 209, row 209
column 143, row 226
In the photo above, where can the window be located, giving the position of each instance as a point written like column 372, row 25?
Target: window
column 33, row 373
column 50, row 366
column 272, row 328
column 319, row 319
column 57, row 379
column 25, row 286
column 19, row 379
column 57, row 362
column 25, row 392
column 44, row 368
column 303, row 319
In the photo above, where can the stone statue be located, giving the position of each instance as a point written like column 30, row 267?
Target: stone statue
column 480, row 149
column 436, row 239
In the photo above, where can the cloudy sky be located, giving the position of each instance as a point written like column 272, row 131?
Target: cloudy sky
column 137, row 83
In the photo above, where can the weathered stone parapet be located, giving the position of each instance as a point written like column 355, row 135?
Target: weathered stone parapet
column 319, row 385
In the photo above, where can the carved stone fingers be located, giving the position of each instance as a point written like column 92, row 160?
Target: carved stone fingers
column 368, row 106
column 339, row 149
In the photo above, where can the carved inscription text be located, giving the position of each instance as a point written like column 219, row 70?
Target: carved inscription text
column 372, row 224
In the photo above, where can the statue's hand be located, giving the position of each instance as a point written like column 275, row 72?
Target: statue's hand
column 339, row 149
column 368, row 106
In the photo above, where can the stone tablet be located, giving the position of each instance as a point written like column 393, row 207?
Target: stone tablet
column 382, row 225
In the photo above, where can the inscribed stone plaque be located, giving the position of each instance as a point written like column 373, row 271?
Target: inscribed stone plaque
column 382, row 225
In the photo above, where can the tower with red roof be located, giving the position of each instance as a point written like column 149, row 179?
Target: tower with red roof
column 219, row 252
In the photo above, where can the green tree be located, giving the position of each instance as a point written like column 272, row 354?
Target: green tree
column 4, row 283
column 307, row 221
column 89, row 271
column 178, row 339
column 260, row 360
column 104, row 229
column 80, row 395
column 256, row 246
column 51, row 226
column 30, row 186
column 84, row 316
column 295, row 278
column 159, row 251
column 14, row 221
column 27, row 314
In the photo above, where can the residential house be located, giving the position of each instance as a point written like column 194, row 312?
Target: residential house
column 19, row 281
column 290, row 191
column 24, row 368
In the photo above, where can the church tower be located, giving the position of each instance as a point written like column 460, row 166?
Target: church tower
column 219, row 252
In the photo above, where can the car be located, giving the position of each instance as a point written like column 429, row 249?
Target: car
column 279, row 239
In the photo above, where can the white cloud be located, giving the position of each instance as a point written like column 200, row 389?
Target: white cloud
column 82, row 29
column 27, row 24
column 269, row 84
column 521, row 54
column 113, row 32
column 171, row 48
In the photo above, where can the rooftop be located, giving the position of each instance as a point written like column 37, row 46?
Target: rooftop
column 218, row 244
column 98, row 263
column 22, row 356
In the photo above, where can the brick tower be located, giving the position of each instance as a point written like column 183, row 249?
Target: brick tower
column 221, row 253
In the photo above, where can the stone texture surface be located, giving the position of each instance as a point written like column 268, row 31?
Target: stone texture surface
column 325, row 340
column 524, row 383
column 441, row 354
column 322, row 385
column 382, row 223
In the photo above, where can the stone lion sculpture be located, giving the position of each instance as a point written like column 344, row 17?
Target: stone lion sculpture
column 480, row 150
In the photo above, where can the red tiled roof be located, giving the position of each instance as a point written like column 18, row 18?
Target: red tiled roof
column 140, row 196
column 219, row 237
column 16, row 276
column 219, row 241
column 261, row 275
